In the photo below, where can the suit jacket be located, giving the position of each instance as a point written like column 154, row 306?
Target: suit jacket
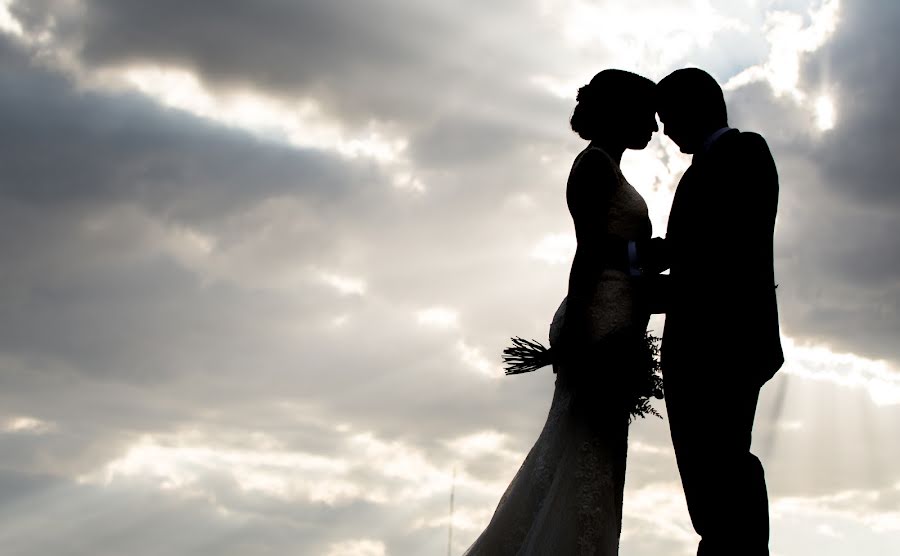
column 722, row 307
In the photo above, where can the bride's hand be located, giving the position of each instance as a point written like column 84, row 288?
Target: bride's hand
column 652, row 255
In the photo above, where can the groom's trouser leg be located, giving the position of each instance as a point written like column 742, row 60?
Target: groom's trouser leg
column 711, row 415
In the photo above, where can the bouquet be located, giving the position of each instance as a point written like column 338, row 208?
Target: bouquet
column 644, row 379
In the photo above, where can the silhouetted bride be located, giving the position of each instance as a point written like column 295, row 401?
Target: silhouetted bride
column 566, row 498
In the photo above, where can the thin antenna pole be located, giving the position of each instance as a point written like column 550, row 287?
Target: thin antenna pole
column 450, row 526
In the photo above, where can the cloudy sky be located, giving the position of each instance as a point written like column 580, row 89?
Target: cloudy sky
column 258, row 261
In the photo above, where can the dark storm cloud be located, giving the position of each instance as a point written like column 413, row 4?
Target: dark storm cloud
column 58, row 147
column 104, row 302
column 292, row 47
column 837, row 261
column 389, row 59
column 76, row 160
column 451, row 84
column 858, row 66
column 114, row 334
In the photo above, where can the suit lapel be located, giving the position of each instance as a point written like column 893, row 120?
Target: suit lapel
column 689, row 195
column 681, row 202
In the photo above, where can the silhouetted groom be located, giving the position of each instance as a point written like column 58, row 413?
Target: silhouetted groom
column 721, row 340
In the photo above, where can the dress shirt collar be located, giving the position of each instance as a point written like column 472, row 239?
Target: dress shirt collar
column 714, row 137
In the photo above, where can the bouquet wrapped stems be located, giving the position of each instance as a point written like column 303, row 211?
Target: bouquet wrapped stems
column 526, row 356
column 639, row 365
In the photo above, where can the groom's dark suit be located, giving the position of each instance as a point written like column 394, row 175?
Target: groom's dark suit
column 721, row 340
column 719, row 249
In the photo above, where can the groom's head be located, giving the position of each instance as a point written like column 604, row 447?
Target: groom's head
column 691, row 107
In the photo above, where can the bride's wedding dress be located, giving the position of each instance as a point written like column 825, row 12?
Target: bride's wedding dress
column 566, row 499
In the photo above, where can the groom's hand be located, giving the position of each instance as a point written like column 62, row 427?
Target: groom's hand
column 651, row 255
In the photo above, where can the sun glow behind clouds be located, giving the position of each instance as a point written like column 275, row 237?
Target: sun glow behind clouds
column 555, row 248
column 345, row 285
column 825, row 114
column 484, row 442
column 659, row 33
column 301, row 123
column 879, row 379
column 845, row 509
column 364, row 467
column 26, row 425
column 789, row 40
column 184, row 461
column 362, row 547
column 473, row 357
column 660, row 508
column 438, row 317
column 8, row 23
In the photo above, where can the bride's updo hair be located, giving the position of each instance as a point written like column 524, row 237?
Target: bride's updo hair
column 609, row 95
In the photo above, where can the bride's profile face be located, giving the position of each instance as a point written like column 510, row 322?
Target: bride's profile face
column 641, row 127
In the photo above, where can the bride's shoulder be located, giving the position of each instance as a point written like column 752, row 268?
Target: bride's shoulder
column 593, row 163
column 594, row 155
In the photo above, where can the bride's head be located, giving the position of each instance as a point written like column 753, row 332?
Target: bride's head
column 616, row 108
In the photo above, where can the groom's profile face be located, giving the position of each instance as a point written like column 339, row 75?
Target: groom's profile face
column 680, row 130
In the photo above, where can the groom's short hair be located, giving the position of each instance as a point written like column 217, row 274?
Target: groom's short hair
column 694, row 93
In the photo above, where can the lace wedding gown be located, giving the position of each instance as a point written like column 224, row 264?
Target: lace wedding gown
column 566, row 499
